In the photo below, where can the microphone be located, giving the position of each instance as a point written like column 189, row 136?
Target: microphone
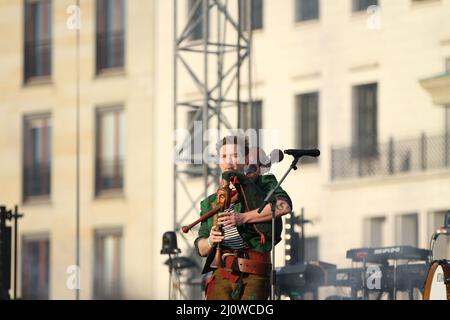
column 276, row 156
column 303, row 152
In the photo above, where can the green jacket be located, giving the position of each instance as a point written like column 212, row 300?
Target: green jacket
column 250, row 236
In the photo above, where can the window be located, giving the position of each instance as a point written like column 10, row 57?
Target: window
column 311, row 249
column 37, row 55
column 256, row 14
column 374, row 232
column 365, row 133
column 110, row 38
column 110, row 150
column 307, row 117
column 442, row 246
column 36, row 156
column 195, row 167
column 306, row 10
column 108, row 259
column 35, row 267
column 250, row 117
column 362, row 5
column 407, row 232
column 195, row 14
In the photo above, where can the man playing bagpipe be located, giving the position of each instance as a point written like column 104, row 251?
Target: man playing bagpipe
column 237, row 240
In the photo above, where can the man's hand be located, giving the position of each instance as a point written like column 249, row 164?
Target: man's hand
column 215, row 236
column 231, row 219
column 205, row 245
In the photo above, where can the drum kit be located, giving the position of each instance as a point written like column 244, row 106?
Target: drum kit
column 437, row 283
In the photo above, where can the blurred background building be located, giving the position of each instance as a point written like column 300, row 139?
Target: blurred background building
column 39, row 100
column 369, row 87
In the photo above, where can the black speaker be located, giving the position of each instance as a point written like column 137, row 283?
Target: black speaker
column 5, row 256
column 169, row 243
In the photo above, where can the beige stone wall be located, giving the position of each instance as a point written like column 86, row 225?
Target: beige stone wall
column 133, row 88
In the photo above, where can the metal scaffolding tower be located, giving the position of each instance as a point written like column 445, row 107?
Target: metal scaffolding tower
column 210, row 50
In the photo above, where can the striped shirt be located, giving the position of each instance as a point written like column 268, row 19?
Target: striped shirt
column 232, row 239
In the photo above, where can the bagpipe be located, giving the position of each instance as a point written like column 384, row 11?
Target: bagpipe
column 235, row 188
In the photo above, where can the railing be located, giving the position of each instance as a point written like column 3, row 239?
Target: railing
column 110, row 50
column 394, row 157
column 37, row 59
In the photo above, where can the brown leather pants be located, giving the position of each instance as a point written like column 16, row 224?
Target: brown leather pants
column 223, row 282
column 240, row 279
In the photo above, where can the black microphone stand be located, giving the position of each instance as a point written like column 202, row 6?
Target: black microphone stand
column 271, row 199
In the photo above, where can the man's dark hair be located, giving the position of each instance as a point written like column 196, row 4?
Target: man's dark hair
column 240, row 141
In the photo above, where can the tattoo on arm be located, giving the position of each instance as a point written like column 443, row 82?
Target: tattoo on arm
column 283, row 207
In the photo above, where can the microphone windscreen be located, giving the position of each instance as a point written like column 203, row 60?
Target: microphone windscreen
column 276, row 156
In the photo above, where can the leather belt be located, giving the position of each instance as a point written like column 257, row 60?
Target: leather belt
column 257, row 262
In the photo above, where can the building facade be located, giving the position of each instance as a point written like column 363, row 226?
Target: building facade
column 38, row 145
column 368, row 87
